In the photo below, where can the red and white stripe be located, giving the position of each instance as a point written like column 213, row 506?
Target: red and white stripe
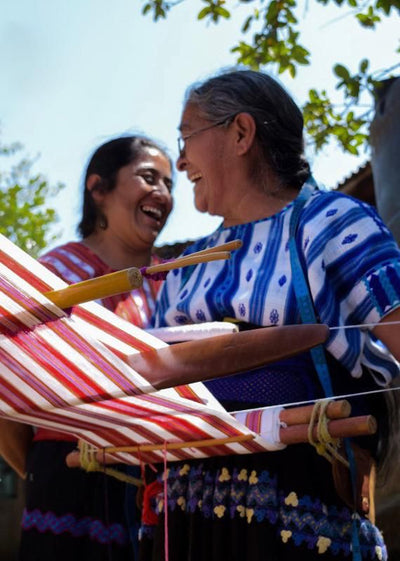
column 70, row 373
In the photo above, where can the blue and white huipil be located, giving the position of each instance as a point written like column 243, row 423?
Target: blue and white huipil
column 353, row 268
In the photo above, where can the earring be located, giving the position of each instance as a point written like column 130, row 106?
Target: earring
column 102, row 222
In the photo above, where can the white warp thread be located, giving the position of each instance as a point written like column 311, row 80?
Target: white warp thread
column 268, row 427
column 180, row 333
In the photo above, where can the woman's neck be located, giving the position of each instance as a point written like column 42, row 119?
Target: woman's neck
column 255, row 204
column 117, row 256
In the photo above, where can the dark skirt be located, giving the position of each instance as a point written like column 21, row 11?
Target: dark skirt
column 71, row 515
column 276, row 506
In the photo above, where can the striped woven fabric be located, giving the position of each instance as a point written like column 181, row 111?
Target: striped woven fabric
column 69, row 372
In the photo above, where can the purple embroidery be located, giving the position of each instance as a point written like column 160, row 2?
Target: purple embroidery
column 76, row 527
column 200, row 315
column 258, row 247
column 180, row 320
column 249, row 275
column 331, row 212
column 274, row 316
column 306, row 242
column 242, row 310
column 349, row 239
column 282, row 280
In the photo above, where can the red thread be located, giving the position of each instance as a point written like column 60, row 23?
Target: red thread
column 151, row 491
column 165, row 475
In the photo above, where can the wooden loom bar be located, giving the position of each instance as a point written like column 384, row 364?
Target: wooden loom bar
column 213, row 357
column 103, row 455
column 180, row 445
column 299, row 415
column 295, row 434
column 337, row 428
column 122, row 281
column 193, row 259
column 228, row 246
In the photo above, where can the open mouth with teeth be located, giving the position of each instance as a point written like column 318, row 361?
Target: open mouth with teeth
column 195, row 177
column 153, row 212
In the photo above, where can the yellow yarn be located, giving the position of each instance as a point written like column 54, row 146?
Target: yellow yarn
column 88, row 461
column 325, row 445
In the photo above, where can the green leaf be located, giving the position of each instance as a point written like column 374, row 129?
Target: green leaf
column 24, row 214
column 341, row 71
column 204, row 12
column 146, row 9
column 223, row 12
column 364, row 65
column 247, row 24
column 352, row 149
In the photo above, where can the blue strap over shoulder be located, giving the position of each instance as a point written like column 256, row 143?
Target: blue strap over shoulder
column 307, row 314
column 302, row 290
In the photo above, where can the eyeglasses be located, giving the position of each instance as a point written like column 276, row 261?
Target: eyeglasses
column 182, row 139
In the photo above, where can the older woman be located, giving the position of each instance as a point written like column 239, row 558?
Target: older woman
column 241, row 146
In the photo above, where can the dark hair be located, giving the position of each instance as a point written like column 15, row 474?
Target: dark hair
column 278, row 119
column 106, row 161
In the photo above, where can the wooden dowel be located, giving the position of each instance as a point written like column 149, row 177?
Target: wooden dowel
column 339, row 428
column 299, row 415
column 295, row 434
column 180, row 445
column 228, row 246
column 188, row 260
column 72, row 458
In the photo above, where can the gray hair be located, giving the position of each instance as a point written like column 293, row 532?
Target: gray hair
column 279, row 121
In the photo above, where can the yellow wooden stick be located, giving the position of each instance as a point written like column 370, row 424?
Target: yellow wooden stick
column 122, row 281
column 97, row 288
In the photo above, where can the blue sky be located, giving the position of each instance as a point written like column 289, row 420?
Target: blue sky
column 79, row 72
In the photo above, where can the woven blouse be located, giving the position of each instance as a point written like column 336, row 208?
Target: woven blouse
column 74, row 262
column 351, row 260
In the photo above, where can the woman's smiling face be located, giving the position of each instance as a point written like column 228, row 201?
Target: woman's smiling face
column 138, row 207
column 205, row 160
